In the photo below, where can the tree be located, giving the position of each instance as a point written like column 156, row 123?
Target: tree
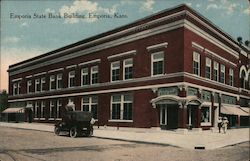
column 3, row 100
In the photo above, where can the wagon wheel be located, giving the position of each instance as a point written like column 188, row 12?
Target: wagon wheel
column 73, row 132
column 57, row 130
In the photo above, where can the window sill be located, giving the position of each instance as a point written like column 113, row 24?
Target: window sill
column 158, row 75
column 120, row 120
column 206, row 124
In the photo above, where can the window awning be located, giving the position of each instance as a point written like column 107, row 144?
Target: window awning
column 233, row 110
column 246, row 109
column 14, row 110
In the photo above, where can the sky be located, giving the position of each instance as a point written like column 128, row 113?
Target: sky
column 24, row 36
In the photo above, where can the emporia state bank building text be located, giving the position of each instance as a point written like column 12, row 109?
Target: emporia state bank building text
column 171, row 70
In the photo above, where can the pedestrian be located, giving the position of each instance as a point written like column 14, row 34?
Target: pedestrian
column 219, row 123
column 225, row 124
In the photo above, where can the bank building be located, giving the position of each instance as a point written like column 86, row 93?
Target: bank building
column 171, row 70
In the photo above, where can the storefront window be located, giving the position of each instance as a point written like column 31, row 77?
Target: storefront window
column 205, row 114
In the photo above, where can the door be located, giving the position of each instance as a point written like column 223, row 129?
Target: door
column 172, row 116
column 163, row 117
column 192, row 116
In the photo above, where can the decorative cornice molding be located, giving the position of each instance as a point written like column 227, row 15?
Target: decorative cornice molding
column 90, row 62
column 132, row 52
column 55, row 70
column 157, row 46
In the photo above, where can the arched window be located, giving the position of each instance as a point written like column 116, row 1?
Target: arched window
column 242, row 79
column 248, row 82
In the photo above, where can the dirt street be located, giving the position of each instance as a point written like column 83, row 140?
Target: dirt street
column 28, row 145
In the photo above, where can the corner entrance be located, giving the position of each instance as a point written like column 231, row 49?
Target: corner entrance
column 168, row 116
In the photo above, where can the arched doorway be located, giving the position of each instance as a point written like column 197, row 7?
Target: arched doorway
column 178, row 112
column 168, row 107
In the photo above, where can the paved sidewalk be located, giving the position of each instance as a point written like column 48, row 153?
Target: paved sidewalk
column 189, row 140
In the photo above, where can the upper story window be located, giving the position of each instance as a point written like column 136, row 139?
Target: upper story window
column 115, row 71
column 37, row 85
column 43, row 84
column 208, row 68
column 29, row 84
column 231, row 77
column 121, row 107
column 94, row 74
column 128, row 69
column 59, row 81
column 90, row 104
column 242, row 79
column 222, row 73
column 15, row 89
column 18, row 87
column 196, row 63
column 85, row 76
column 157, row 63
column 216, row 71
column 52, row 84
column 71, row 79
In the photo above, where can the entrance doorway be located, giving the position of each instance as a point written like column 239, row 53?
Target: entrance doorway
column 168, row 116
column 192, row 116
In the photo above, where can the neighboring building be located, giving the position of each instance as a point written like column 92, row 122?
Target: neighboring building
column 173, row 69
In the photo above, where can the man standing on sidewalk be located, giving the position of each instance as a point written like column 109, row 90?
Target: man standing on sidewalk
column 224, row 124
column 219, row 123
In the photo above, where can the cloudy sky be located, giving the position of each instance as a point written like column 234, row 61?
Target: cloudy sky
column 23, row 36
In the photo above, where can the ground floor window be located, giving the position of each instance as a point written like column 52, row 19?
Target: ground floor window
column 90, row 103
column 58, row 109
column 52, row 109
column 121, row 107
column 43, row 109
column 205, row 115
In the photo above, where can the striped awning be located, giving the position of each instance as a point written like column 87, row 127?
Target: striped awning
column 14, row 110
column 246, row 109
column 233, row 110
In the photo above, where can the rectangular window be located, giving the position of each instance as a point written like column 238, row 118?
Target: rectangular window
column 94, row 75
column 196, row 63
column 58, row 108
column 52, row 85
column 71, row 79
column 231, row 77
column 59, row 81
column 115, row 71
column 43, row 109
column 216, row 71
column 208, row 68
column 18, row 87
column 121, row 107
column 29, row 84
column 222, row 73
column 43, row 84
column 15, row 89
column 157, row 63
column 36, row 110
column 128, row 69
column 37, row 85
column 127, row 107
column 90, row 104
column 205, row 114
column 52, row 109
column 85, row 76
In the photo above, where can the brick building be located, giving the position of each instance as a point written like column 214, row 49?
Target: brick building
column 173, row 69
